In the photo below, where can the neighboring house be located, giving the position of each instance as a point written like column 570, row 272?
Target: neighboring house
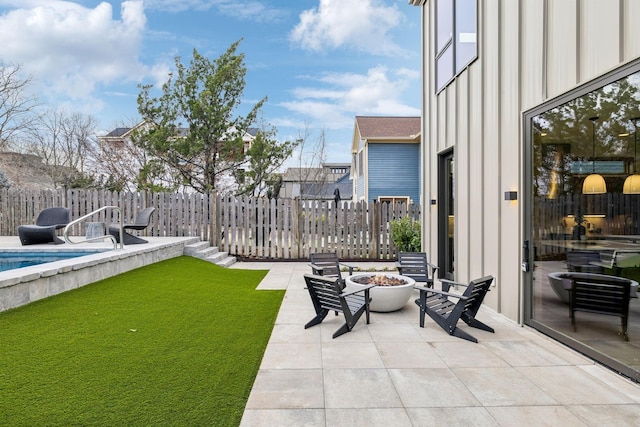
column 523, row 103
column 317, row 183
column 119, row 136
column 386, row 159
column 28, row 171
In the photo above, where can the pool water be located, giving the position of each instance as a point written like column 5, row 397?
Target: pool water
column 13, row 260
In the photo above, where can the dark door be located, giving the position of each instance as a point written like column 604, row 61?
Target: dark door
column 446, row 219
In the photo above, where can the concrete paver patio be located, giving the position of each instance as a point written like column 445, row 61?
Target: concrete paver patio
column 394, row 373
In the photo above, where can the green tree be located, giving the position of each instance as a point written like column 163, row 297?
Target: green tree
column 565, row 134
column 274, row 184
column 265, row 156
column 192, row 126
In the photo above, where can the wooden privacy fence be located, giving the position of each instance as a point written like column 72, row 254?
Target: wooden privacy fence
column 604, row 214
column 243, row 226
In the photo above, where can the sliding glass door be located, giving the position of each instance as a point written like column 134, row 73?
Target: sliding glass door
column 583, row 213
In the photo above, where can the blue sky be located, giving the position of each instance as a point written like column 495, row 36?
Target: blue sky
column 319, row 62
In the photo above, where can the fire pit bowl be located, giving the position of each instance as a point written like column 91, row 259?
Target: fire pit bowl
column 391, row 293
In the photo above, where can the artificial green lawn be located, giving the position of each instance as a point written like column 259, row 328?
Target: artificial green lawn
column 174, row 343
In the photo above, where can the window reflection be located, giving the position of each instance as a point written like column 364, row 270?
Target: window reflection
column 588, row 235
column 466, row 33
column 456, row 44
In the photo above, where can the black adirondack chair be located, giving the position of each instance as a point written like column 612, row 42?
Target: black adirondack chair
column 599, row 295
column 327, row 264
column 44, row 231
column 327, row 295
column 446, row 313
column 582, row 261
column 141, row 221
column 416, row 266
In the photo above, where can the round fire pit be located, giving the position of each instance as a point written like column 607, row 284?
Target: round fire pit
column 391, row 293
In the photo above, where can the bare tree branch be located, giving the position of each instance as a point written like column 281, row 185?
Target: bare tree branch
column 16, row 106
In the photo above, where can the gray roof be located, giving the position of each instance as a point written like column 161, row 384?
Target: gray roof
column 118, row 132
column 325, row 190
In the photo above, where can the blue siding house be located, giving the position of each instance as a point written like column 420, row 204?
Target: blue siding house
column 386, row 159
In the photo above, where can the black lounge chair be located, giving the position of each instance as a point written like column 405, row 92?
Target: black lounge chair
column 327, row 264
column 142, row 221
column 327, row 295
column 416, row 266
column 44, row 231
column 584, row 262
column 601, row 295
column 446, row 313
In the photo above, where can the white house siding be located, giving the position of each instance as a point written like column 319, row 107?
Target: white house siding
column 488, row 77
column 631, row 41
column 529, row 51
column 359, row 181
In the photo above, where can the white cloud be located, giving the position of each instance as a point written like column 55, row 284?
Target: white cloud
column 345, row 95
column 361, row 25
column 72, row 49
column 250, row 10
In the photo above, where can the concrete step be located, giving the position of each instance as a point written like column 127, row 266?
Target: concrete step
column 194, row 248
column 209, row 253
column 227, row 262
column 216, row 257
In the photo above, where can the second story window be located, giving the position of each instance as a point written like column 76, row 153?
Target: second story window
column 455, row 37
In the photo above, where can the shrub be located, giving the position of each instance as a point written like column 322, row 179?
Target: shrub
column 405, row 233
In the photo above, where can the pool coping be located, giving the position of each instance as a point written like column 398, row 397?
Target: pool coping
column 24, row 285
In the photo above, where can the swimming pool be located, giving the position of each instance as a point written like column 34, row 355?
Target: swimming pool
column 14, row 260
column 22, row 286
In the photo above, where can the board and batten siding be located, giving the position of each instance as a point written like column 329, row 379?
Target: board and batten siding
column 529, row 51
column 394, row 170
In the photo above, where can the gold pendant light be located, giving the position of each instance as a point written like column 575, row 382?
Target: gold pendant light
column 594, row 183
column 632, row 183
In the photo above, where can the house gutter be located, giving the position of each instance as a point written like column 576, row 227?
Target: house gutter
column 410, row 138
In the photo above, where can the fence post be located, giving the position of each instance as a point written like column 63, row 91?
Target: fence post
column 374, row 224
column 213, row 218
column 64, row 195
column 296, row 228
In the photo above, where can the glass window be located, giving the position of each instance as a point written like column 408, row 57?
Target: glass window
column 466, row 33
column 444, row 27
column 394, row 199
column 456, row 38
column 444, row 67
